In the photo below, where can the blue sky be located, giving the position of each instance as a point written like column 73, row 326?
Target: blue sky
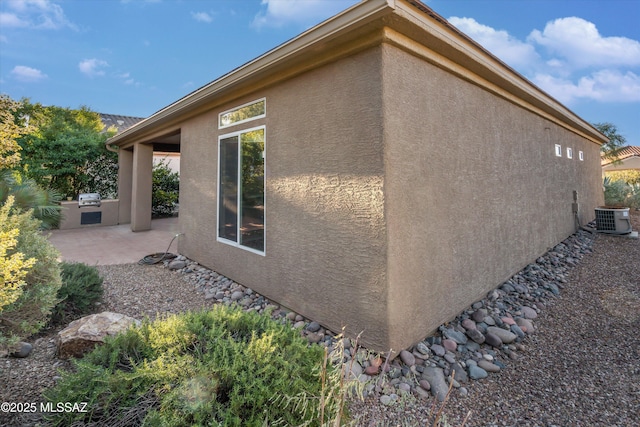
column 133, row 57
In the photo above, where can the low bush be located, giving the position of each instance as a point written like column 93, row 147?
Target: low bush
column 629, row 176
column 633, row 199
column 620, row 193
column 217, row 367
column 38, row 295
column 13, row 265
column 27, row 195
column 165, row 190
column 81, row 289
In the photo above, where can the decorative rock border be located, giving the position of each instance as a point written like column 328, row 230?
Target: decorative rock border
column 478, row 342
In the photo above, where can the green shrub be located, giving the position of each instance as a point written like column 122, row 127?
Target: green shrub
column 31, row 311
column 165, row 190
column 13, row 266
column 29, row 195
column 615, row 192
column 629, row 176
column 621, row 193
column 81, row 289
column 217, row 367
column 633, row 200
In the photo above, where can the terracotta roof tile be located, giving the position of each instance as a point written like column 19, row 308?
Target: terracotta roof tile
column 624, row 153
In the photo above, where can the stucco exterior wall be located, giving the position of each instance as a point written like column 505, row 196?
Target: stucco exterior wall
column 473, row 191
column 396, row 194
column 325, row 249
column 407, row 172
column 625, row 164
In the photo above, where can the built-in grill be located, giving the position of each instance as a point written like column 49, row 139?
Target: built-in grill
column 89, row 199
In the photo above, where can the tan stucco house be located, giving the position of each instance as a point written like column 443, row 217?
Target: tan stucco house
column 627, row 159
column 380, row 171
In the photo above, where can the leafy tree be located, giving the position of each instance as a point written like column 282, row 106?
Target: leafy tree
column 611, row 149
column 64, row 150
column 10, row 130
column 165, row 190
column 103, row 175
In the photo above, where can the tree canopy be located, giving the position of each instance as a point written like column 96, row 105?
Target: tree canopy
column 11, row 129
column 611, row 149
column 64, row 150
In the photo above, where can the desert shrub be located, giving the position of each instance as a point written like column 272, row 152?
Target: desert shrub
column 165, row 190
column 13, row 265
column 32, row 309
column 633, row 200
column 629, row 176
column 81, row 289
column 615, row 192
column 28, row 195
column 216, row 367
column 620, row 193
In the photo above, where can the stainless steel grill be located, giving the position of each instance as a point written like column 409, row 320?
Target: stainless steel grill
column 89, row 199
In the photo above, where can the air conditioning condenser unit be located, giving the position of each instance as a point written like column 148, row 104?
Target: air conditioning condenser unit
column 613, row 220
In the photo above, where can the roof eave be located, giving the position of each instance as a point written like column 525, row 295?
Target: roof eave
column 331, row 28
column 483, row 68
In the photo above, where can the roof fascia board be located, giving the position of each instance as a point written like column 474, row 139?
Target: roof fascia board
column 411, row 26
column 357, row 15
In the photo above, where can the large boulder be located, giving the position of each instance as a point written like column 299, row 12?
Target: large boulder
column 84, row 334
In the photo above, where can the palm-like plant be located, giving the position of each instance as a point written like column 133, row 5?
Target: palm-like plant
column 29, row 195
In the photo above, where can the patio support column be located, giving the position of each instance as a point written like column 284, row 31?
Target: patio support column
column 141, row 188
column 125, row 183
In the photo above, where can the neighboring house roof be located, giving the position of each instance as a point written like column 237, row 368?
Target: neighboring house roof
column 121, row 123
column 363, row 25
column 624, row 154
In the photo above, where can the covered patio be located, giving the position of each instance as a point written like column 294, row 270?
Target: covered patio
column 115, row 244
column 135, row 177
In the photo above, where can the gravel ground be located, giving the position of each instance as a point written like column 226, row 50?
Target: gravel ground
column 131, row 289
column 580, row 368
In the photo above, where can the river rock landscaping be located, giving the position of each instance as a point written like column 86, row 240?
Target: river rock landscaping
column 553, row 345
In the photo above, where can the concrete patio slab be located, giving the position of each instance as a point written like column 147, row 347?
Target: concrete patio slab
column 115, row 244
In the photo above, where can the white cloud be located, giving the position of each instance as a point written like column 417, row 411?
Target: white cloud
column 302, row 12
column 581, row 45
column 8, row 20
column 27, row 74
column 603, row 86
column 35, row 14
column 506, row 47
column 202, row 17
column 127, row 79
column 92, row 67
column 569, row 59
